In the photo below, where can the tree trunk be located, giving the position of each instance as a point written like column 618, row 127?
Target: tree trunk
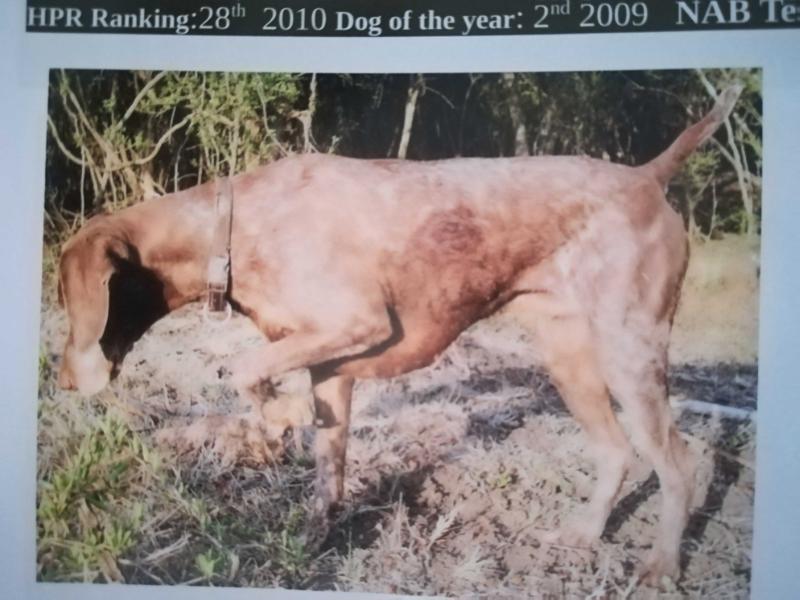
column 517, row 119
column 408, row 116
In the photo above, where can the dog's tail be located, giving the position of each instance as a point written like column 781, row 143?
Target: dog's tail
column 664, row 166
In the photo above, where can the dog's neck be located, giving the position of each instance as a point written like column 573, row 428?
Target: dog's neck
column 172, row 236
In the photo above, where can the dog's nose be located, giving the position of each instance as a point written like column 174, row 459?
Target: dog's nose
column 65, row 381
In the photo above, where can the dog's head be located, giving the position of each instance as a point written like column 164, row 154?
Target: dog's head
column 110, row 302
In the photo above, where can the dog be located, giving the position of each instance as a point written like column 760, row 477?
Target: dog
column 371, row 268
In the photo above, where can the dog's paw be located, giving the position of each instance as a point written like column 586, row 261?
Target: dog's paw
column 660, row 570
column 234, row 439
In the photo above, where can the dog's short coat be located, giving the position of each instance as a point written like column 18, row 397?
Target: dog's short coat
column 371, row 268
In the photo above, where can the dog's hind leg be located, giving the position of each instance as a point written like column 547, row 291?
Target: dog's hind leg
column 634, row 360
column 565, row 345
column 634, row 301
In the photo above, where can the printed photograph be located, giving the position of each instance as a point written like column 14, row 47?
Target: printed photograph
column 466, row 335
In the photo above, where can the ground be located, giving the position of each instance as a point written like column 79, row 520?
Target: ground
column 453, row 471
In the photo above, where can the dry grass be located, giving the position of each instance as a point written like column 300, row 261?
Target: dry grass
column 717, row 320
column 453, row 471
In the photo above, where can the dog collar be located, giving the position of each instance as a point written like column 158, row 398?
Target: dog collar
column 219, row 261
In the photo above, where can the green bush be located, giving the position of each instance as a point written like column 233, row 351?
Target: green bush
column 88, row 513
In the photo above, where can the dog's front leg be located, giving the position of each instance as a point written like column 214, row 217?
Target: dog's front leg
column 332, row 393
column 332, row 397
column 312, row 346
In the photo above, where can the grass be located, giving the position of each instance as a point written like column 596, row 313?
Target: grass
column 110, row 508
column 87, row 513
column 431, row 509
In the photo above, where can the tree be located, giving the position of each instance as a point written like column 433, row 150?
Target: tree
column 138, row 134
column 415, row 86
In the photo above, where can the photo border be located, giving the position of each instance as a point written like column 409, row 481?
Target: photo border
column 777, row 525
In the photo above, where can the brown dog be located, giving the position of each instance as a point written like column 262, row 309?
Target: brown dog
column 371, row 268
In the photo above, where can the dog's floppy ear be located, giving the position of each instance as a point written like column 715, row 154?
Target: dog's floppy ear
column 87, row 262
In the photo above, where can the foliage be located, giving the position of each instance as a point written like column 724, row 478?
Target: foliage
column 234, row 116
column 119, row 136
column 87, row 514
column 111, row 507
